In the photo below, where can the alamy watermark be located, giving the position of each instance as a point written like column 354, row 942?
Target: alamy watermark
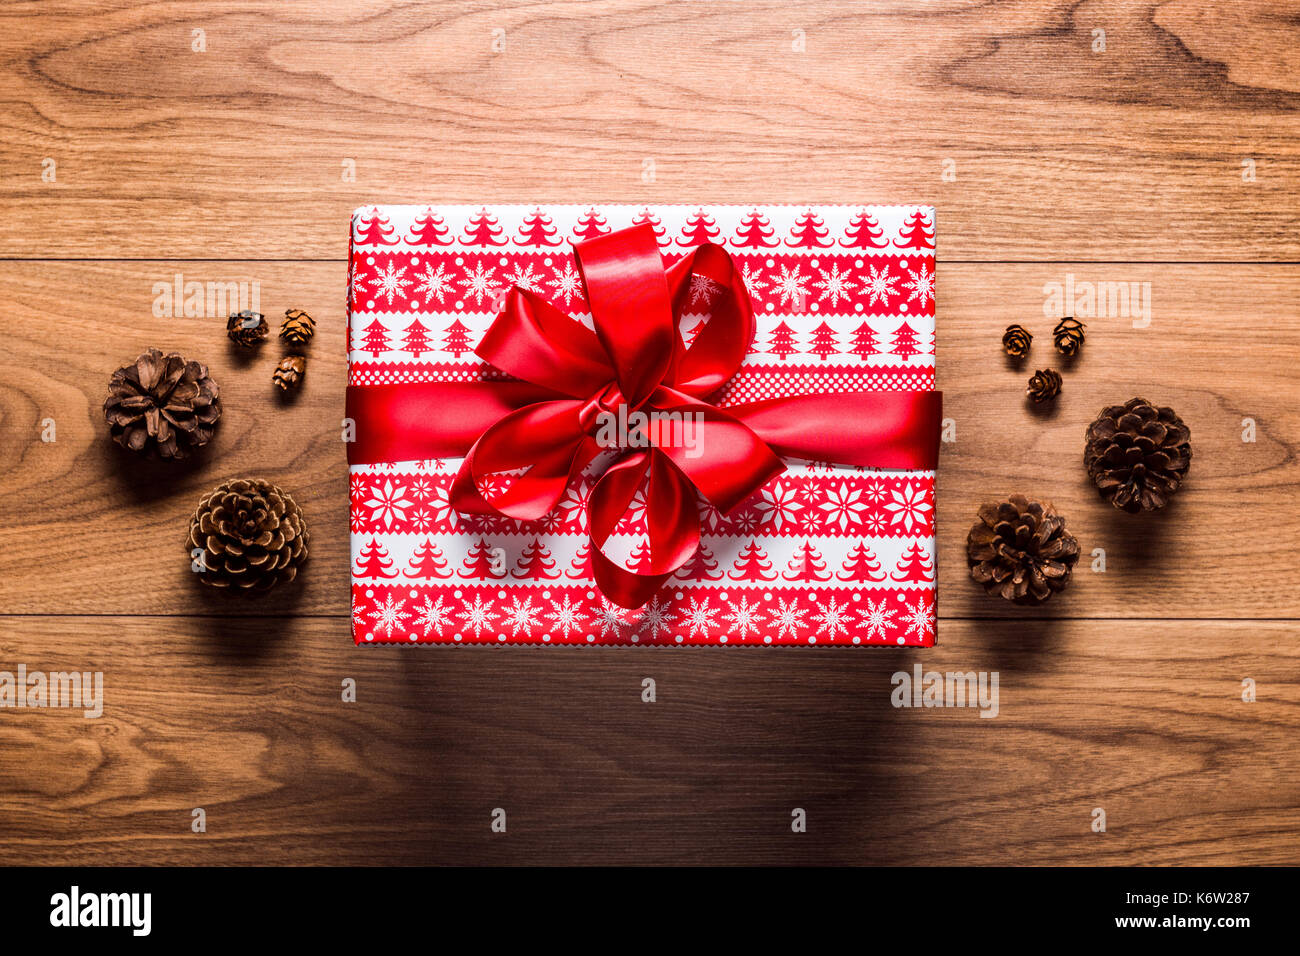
column 1090, row 300
column 182, row 298
column 637, row 429
column 951, row 689
column 56, row 689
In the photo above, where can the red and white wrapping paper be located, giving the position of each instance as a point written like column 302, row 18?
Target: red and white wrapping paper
column 822, row 554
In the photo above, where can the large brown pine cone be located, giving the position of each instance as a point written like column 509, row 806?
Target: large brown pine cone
column 1137, row 454
column 163, row 404
column 251, row 533
column 1020, row 550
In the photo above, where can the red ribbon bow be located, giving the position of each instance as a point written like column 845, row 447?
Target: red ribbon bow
column 573, row 383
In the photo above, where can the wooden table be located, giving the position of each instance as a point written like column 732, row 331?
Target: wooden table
column 229, row 141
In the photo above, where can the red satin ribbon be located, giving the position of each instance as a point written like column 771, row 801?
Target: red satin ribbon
column 570, row 379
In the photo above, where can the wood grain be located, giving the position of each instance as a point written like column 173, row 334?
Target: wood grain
column 1060, row 152
column 1171, row 158
column 247, row 722
column 1220, row 348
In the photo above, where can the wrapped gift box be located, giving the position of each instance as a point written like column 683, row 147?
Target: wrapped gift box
column 823, row 554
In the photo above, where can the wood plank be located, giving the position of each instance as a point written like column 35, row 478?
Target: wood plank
column 244, row 719
column 84, row 528
column 1060, row 152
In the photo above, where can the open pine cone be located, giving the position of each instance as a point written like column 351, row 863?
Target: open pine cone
column 246, row 328
column 252, row 535
column 298, row 327
column 1020, row 550
column 1137, row 454
column 163, row 404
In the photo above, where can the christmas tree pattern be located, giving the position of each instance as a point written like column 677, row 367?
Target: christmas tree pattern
column 590, row 225
column 905, row 341
column 580, row 567
column 700, row 566
column 755, row 231
column 861, row 565
column 537, row 229
column 483, row 230
column 428, row 561
column 639, row 560
column 915, row 234
column 374, row 562
column 691, row 334
column 752, row 564
column 536, row 563
column 429, row 230
column 806, row 565
column 646, row 217
column 416, row 339
column 823, row 342
column 483, row 562
column 375, row 230
column 376, row 340
column 864, row 341
column 699, row 228
column 782, row 342
column 914, row 565
column 456, row 339
column 809, row 231
column 863, row 232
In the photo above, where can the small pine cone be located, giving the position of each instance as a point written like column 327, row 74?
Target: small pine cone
column 1137, row 455
column 252, row 535
column 1045, row 384
column 1015, row 341
column 246, row 328
column 1068, row 336
column 1019, row 549
column 298, row 327
column 288, row 374
column 162, row 404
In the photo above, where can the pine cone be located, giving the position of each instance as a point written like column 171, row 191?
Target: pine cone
column 246, row 328
column 1044, row 384
column 251, row 533
column 1068, row 336
column 162, row 404
column 1019, row 549
column 1137, row 454
column 288, row 374
column 297, row 327
column 1015, row 341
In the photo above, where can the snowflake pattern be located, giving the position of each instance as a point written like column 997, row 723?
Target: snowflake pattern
column 656, row 618
column 433, row 285
column 879, row 286
column 702, row 290
column 388, row 615
column 844, row 506
column 525, row 278
column 700, row 617
column 919, row 619
column 908, row 506
column 521, row 616
column 611, row 618
column 878, row 619
column 792, row 287
column 779, row 504
column 567, row 283
column 789, row 618
column 388, row 503
column 433, row 616
column 835, row 285
column 922, row 285
column 566, row 617
column 832, row 618
column 480, row 284
column 744, row 618
column 477, row 616
column 389, row 282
